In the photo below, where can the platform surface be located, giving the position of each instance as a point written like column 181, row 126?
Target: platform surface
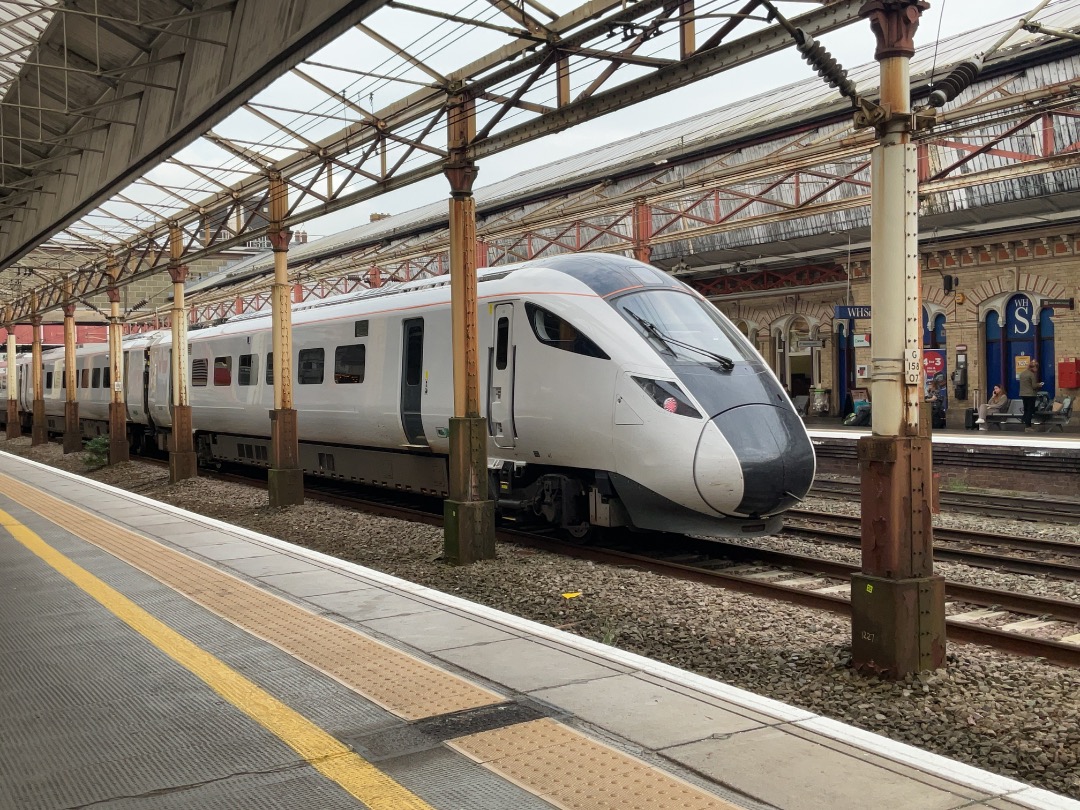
column 153, row 658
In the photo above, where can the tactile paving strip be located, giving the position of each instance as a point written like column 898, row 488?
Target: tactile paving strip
column 575, row 772
column 397, row 681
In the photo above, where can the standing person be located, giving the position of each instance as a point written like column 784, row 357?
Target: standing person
column 1029, row 388
column 997, row 401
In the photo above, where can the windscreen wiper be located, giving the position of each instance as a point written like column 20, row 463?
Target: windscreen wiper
column 726, row 363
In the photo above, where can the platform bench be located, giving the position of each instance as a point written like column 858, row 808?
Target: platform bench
column 1011, row 414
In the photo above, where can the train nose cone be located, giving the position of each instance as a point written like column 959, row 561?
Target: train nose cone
column 773, row 450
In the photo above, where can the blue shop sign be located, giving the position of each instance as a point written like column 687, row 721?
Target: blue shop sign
column 848, row 313
column 1018, row 318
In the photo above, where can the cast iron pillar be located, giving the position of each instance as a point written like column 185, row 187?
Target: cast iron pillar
column 469, row 515
column 182, row 460
column 14, row 426
column 898, row 605
column 286, row 479
column 118, row 442
column 72, row 430
column 39, row 429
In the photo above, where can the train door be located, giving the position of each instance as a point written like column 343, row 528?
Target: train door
column 501, row 378
column 412, row 382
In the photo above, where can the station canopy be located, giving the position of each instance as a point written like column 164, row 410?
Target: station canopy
column 361, row 114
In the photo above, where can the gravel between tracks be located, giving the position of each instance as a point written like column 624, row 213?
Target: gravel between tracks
column 1013, row 716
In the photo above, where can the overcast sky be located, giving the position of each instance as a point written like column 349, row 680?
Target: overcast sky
column 853, row 45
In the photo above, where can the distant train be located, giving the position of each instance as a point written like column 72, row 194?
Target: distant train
column 615, row 395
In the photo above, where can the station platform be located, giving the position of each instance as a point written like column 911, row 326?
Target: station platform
column 1040, row 463
column 153, row 658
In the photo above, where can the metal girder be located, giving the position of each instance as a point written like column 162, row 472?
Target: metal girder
column 398, row 144
column 210, row 82
column 821, row 172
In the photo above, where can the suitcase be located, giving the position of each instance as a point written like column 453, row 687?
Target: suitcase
column 969, row 419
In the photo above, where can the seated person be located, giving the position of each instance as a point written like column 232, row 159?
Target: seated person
column 995, row 404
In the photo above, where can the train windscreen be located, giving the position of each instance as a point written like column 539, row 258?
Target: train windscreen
column 682, row 325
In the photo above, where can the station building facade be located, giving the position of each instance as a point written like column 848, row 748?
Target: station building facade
column 1009, row 303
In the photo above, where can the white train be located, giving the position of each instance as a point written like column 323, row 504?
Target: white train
column 615, row 395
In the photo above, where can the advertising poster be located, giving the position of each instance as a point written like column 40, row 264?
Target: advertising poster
column 933, row 361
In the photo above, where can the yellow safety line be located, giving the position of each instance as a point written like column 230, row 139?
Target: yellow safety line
column 329, row 756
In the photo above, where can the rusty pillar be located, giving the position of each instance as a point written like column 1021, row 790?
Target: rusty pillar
column 183, row 462
column 469, row 514
column 118, row 441
column 72, row 428
column 642, row 228
column 39, row 430
column 285, row 481
column 14, row 423
column 898, row 605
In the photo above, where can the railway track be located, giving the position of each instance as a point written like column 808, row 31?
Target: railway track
column 797, row 579
column 991, row 505
column 1054, row 558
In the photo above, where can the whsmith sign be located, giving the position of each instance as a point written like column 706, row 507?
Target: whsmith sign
column 852, row 313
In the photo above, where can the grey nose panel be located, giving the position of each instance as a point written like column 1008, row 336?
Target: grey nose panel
column 775, row 454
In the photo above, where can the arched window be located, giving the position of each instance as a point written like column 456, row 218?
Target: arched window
column 933, row 333
column 1011, row 346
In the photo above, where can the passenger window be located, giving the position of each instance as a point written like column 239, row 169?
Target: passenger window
column 360, row 329
column 349, row 363
column 106, row 377
column 200, row 372
column 96, row 378
column 310, row 371
column 48, row 380
column 414, row 353
column 502, row 343
column 63, row 380
column 222, row 371
column 270, row 368
column 84, row 381
column 248, row 370
column 551, row 330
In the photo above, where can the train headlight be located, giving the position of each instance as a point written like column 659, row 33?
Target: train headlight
column 668, row 396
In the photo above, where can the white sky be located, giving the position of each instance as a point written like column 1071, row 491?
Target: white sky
column 852, row 46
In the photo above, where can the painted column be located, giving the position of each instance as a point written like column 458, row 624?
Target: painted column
column 469, row 515
column 14, row 426
column 72, row 429
column 39, row 430
column 118, row 441
column 898, row 605
column 285, row 481
column 182, row 460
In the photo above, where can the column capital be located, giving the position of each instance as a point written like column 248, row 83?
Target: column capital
column 113, row 294
column 178, row 273
column 894, row 23
column 69, row 310
column 35, row 321
column 461, row 174
column 279, row 240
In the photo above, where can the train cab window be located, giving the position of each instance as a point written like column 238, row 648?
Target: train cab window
column 349, row 362
column 223, row 371
column 247, row 372
column 200, row 372
column 551, row 330
column 502, row 343
column 269, row 368
column 96, row 378
column 310, row 368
